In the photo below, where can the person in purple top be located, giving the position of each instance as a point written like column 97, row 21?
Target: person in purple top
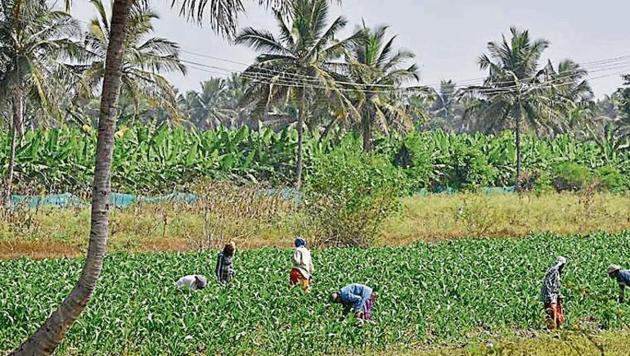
column 357, row 298
column 622, row 276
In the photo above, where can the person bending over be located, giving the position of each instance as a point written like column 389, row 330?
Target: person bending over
column 357, row 298
column 192, row 282
column 623, row 278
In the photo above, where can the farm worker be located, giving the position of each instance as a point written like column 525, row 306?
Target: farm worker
column 192, row 282
column 224, row 270
column 622, row 277
column 551, row 296
column 302, row 265
column 358, row 298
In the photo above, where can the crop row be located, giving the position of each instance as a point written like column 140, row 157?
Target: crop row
column 429, row 295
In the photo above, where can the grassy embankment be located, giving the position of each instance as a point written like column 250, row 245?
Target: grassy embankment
column 50, row 232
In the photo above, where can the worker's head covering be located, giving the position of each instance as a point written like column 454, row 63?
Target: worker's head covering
column 334, row 297
column 561, row 261
column 613, row 268
column 229, row 248
column 300, row 242
column 202, row 282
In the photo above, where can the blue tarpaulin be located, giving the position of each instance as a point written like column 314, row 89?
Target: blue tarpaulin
column 121, row 200
column 117, row 199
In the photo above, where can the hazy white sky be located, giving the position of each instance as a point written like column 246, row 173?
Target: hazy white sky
column 447, row 36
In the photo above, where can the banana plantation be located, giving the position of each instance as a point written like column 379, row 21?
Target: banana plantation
column 157, row 159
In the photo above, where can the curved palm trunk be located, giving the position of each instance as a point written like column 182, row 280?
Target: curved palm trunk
column 48, row 336
column 18, row 114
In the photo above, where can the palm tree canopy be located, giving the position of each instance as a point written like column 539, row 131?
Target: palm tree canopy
column 516, row 85
column 302, row 61
column 145, row 59
column 210, row 107
column 36, row 42
column 379, row 70
column 221, row 14
column 517, row 57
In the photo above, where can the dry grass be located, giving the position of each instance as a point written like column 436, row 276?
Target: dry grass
column 443, row 217
column 254, row 220
column 564, row 343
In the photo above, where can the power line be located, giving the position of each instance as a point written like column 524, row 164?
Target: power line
column 289, row 79
column 267, row 74
column 286, row 83
column 588, row 66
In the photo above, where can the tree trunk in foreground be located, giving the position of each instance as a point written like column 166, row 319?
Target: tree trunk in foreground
column 18, row 115
column 48, row 336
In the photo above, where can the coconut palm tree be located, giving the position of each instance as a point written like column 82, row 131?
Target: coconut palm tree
column 377, row 69
column 35, row 40
column 516, row 93
column 300, row 66
column 209, row 108
column 222, row 16
column 146, row 59
column 573, row 95
column 622, row 100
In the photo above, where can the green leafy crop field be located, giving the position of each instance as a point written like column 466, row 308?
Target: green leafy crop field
column 444, row 294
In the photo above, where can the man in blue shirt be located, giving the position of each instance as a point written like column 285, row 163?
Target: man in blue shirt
column 622, row 277
column 358, row 298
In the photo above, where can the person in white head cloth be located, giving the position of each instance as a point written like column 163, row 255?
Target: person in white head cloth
column 550, row 294
column 192, row 282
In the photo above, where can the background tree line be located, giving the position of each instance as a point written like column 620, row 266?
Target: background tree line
column 362, row 83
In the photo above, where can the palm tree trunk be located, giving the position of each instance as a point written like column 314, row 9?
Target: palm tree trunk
column 51, row 333
column 300, row 148
column 367, row 132
column 327, row 129
column 18, row 114
column 518, row 148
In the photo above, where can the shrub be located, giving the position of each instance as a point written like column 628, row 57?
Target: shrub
column 538, row 181
column 612, row 179
column 349, row 195
column 571, row 176
column 469, row 169
column 414, row 159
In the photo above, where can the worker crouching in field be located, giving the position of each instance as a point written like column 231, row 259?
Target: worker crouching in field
column 224, row 270
column 357, row 298
column 192, row 282
column 551, row 296
column 302, row 266
column 622, row 277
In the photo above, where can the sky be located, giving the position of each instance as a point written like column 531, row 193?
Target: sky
column 447, row 36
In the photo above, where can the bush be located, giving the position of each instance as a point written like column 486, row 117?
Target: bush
column 612, row 179
column 538, row 181
column 349, row 195
column 571, row 176
column 414, row 159
column 469, row 169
